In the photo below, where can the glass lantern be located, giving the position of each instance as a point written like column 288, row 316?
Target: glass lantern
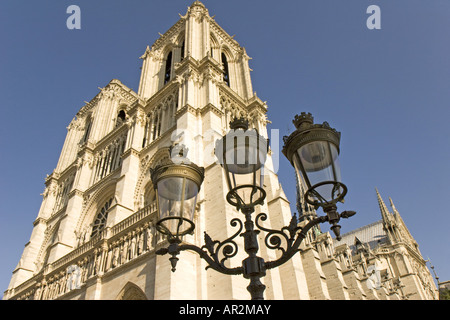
column 242, row 153
column 177, row 186
column 313, row 149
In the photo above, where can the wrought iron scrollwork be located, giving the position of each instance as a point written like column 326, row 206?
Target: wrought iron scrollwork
column 214, row 252
column 227, row 248
column 296, row 236
column 276, row 238
column 287, row 240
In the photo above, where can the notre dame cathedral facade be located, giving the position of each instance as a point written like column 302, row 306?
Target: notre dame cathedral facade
column 94, row 236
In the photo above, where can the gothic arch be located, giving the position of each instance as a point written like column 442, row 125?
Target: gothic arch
column 231, row 110
column 228, row 52
column 167, row 67
column 51, row 236
column 131, row 292
column 257, row 119
column 144, row 178
column 123, row 107
column 226, row 59
column 121, row 116
column 88, row 120
column 101, row 218
column 214, row 46
column 95, row 203
column 180, row 38
column 149, row 194
column 181, row 43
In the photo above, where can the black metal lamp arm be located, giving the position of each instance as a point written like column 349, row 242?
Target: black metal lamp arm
column 217, row 252
column 292, row 243
column 291, row 237
column 288, row 240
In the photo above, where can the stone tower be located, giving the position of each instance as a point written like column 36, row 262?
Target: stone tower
column 94, row 237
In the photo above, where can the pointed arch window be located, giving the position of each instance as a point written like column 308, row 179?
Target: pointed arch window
column 131, row 292
column 168, row 69
column 149, row 195
column 182, row 50
column 63, row 193
column 121, row 116
column 87, row 129
column 226, row 74
column 155, row 127
column 147, row 131
column 100, row 221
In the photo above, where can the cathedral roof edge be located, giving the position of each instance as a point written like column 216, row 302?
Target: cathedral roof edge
column 123, row 86
column 159, row 43
column 226, row 36
column 90, row 104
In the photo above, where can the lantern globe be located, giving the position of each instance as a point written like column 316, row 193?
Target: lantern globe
column 242, row 153
column 177, row 187
column 313, row 150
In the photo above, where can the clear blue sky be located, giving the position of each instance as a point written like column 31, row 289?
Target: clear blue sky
column 386, row 90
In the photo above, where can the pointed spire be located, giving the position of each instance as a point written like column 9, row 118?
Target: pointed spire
column 385, row 214
column 390, row 222
column 404, row 234
column 358, row 242
column 360, row 247
column 393, row 206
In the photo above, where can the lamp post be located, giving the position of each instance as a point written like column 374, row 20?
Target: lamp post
column 312, row 149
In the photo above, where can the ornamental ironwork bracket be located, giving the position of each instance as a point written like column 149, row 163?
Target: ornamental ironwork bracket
column 287, row 240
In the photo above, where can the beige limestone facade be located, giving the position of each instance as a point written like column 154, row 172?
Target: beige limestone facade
column 95, row 237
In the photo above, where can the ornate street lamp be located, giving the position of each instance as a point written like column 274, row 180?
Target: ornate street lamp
column 242, row 153
column 177, row 182
column 313, row 150
column 177, row 186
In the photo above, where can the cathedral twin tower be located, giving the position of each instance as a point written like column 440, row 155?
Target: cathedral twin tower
column 94, row 237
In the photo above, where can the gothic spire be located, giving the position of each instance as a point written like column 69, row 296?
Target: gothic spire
column 393, row 206
column 404, row 233
column 389, row 222
column 385, row 214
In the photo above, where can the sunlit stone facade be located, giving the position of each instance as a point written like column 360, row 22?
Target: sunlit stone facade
column 95, row 238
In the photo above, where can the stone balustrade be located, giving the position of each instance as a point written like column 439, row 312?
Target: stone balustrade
column 111, row 248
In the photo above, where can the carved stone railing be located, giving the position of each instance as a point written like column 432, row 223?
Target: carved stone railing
column 113, row 247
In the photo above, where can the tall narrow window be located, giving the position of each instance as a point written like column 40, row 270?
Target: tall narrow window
column 159, row 128
column 100, row 221
column 226, row 74
column 87, row 130
column 146, row 129
column 155, row 127
column 120, row 118
column 63, row 194
column 182, row 51
column 168, row 70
